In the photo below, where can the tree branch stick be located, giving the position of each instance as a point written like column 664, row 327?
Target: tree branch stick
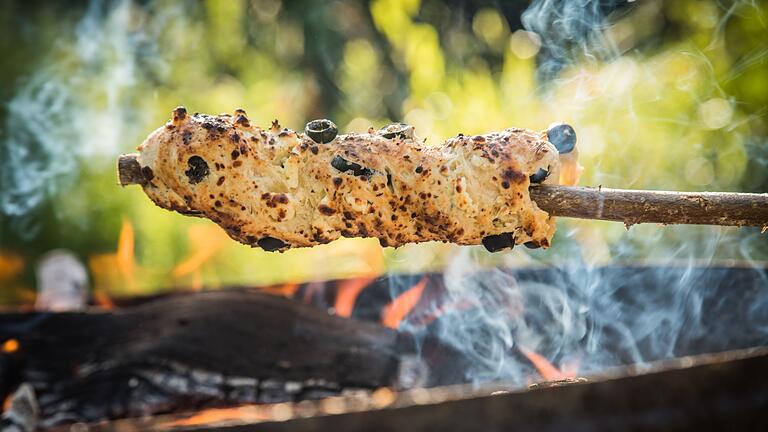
column 129, row 170
column 628, row 206
column 641, row 206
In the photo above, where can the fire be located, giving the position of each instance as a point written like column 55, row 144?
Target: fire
column 347, row 294
column 205, row 241
column 11, row 269
column 242, row 414
column 10, row 346
column 115, row 270
column 125, row 254
column 547, row 370
column 11, row 265
column 284, row 290
column 395, row 312
column 102, row 299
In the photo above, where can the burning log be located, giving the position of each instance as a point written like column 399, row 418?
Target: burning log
column 186, row 352
column 183, row 352
column 621, row 205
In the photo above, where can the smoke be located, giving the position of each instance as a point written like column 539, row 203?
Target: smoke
column 585, row 317
column 590, row 314
column 503, row 315
column 569, row 31
column 81, row 103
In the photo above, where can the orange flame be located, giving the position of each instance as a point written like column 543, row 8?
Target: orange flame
column 11, row 265
column 125, row 253
column 347, row 294
column 10, row 346
column 102, row 299
column 547, row 370
column 395, row 312
column 205, row 242
column 116, row 270
column 212, row 416
column 284, row 290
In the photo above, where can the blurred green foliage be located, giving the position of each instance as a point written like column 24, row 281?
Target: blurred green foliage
column 680, row 103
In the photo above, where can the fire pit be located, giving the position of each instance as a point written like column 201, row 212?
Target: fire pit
column 679, row 347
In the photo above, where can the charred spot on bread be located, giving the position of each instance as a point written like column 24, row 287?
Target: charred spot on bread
column 495, row 243
column 241, row 118
column 147, row 173
column 513, row 176
column 198, row 169
column 271, row 244
column 532, row 244
column 324, row 209
column 346, row 166
column 179, row 114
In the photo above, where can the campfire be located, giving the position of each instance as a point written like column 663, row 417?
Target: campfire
column 420, row 242
column 343, row 353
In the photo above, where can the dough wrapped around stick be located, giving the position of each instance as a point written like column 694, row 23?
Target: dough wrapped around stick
column 275, row 188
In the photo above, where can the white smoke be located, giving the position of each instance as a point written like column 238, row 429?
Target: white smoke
column 591, row 317
column 569, row 30
column 80, row 104
column 587, row 316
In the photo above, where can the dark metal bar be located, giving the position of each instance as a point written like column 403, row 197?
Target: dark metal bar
column 719, row 392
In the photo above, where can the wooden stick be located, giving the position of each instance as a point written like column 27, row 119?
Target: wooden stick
column 628, row 206
column 641, row 206
column 129, row 170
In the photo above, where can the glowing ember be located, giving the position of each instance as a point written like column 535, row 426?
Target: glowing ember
column 284, row 290
column 547, row 370
column 10, row 346
column 242, row 414
column 347, row 294
column 396, row 311
column 103, row 300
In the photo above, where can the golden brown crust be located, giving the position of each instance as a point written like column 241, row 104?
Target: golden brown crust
column 277, row 188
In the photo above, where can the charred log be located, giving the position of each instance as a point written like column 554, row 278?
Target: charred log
column 184, row 352
column 193, row 351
